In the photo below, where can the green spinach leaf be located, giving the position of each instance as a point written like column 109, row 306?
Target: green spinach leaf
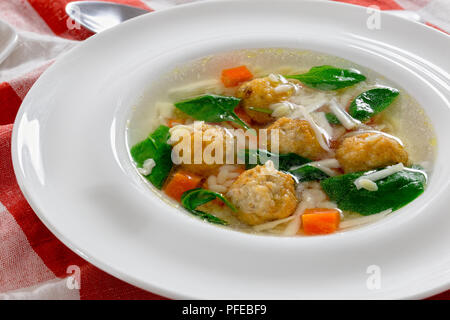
column 329, row 78
column 285, row 161
column 371, row 102
column 331, row 118
column 156, row 148
column 212, row 108
column 191, row 199
column 263, row 110
column 308, row 173
column 393, row 192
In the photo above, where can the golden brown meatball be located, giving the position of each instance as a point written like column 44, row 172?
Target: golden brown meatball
column 298, row 137
column 209, row 139
column 261, row 93
column 367, row 151
column 263, row 194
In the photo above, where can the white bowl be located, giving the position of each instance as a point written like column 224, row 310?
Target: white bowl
column 72, row 162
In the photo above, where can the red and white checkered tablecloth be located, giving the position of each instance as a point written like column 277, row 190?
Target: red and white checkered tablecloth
column 34, row 264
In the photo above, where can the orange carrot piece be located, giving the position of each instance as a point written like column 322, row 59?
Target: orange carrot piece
column 181, row 182
column 240, row 112
column 218, row 202
column 320, row 221
column 174, row 122
column 232, row 77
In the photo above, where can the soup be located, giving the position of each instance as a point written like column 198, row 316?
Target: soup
column 281, row 141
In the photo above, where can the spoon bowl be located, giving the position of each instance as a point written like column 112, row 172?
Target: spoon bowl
column 97, row 16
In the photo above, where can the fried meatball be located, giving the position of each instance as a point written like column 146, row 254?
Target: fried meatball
column 298, row 137
column 367, row 151
column 263, row 194
column 261, row 93
column 213, row 138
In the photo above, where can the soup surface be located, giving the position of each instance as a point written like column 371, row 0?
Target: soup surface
column 281, row 141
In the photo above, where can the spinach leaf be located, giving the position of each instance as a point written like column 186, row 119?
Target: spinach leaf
column 212, row 108
column 371, row 102
column 331, row 118
column 191, row 199
column 308, row 173
column 329, row 78
column 263, row 110
column 156, row 148
column 393, row 192
column 285, row 161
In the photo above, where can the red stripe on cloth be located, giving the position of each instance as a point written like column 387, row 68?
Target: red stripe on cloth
column 383, row 4
column 54, row 14
column 12, row 93
column 96, row 284
column 442, row 296
column 9, row 103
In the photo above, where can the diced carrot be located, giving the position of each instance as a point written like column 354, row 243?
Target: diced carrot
column 320, row 221
column 218, row 202
column 240, row 112
column 181, row 182
column 232, row 77
column 174, row 122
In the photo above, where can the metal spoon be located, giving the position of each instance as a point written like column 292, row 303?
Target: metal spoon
column 98, row 16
